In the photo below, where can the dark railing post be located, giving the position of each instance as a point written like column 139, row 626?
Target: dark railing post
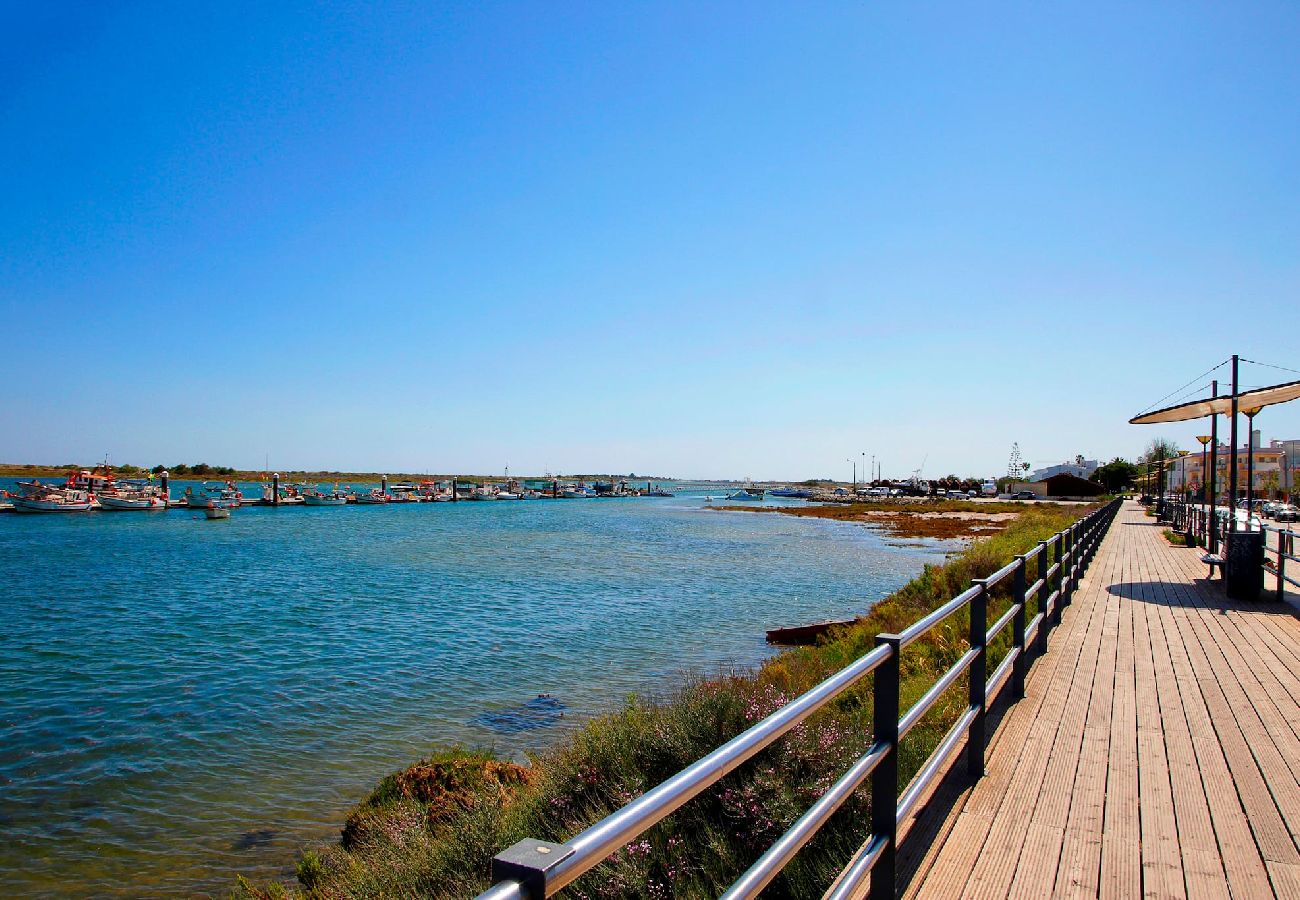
column 884, row 780
column 979, row 627
column 1018, row 586
column 1281, row 562
column 1058, row 580
column 1071, row 556
column 1044, row 589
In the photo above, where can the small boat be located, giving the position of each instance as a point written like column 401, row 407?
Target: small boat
column 373, row 496
column 749, row 493
column 222, row 495
column 324, row 498
column 140, row 501
column 404, row 492
column 803, row 635
column 796, row 493
column 51, row 500
column 483, row 493
column 509, row 495
column 217, row 512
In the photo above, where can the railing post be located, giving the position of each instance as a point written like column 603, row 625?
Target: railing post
column 1071, row 556
column 1018, row 587
column 1045, row 622
column 1281, row 562
column 979, row 627
column 884, row 780
column 1058, row 580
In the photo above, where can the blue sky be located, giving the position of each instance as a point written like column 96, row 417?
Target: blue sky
column 697, row 239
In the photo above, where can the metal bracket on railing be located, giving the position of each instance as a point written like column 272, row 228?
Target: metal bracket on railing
column 529, row 862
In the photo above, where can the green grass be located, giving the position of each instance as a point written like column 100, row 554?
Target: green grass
column 433, row 830
column 1175, row 538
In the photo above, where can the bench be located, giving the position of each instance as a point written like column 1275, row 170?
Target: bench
column 1214, row 561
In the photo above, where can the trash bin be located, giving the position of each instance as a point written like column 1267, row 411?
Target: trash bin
column 1243, row 558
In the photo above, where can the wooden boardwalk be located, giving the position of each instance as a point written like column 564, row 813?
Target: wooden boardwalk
column 1156, row 752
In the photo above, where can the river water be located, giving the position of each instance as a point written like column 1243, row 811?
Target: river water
column 183, row 699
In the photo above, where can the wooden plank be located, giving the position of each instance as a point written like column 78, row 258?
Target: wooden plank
column 1161, row 856
column 1079, row 871
column 1242, row 863
column 1199, row 858
column 1158, row 754
column 1122, row 848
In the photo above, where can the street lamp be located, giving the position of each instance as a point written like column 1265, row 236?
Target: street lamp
column 1250, row 461
column 1205, row 440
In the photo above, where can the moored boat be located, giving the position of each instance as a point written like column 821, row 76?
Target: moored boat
column 138, row 501
column 372, row 496
column 222, row 495
column 747, row 493
column 52, row 501
column 324, row 498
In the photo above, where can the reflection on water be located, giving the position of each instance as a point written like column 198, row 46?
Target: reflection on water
column 182, row 699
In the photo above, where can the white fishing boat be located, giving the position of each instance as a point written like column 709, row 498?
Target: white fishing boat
column 484, row 492
column 509, row 495
column 373, row 496
column 221, row 495
column 217, row 512
column 747, row 493
column 137, row 501
column 324, row 498
column 52, row 501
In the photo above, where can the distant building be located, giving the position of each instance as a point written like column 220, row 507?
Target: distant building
column 1066, row 484
column 1274, row 468
column 1080, row 468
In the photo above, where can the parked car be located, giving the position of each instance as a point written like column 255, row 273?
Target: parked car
column 1023, row 495
column 1287, row 513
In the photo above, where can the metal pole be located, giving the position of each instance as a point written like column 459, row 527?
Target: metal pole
column 975, row 738
column 1213, row 540
column 275, row 489
column 1250, row 462
column 884, row 780
column 1232, row 476
column 1045, row 621
column 1018, row 588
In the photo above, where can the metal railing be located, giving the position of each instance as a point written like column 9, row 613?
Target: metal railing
column 1210, row 529
column 538, row 869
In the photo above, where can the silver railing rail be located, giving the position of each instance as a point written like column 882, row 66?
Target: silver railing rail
column 537, row 869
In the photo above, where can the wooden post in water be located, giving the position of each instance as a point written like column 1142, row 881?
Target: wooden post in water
column 275, row 489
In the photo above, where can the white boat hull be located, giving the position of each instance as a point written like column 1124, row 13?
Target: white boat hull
column 127, row 503
column 310, row 500
column 26, row 504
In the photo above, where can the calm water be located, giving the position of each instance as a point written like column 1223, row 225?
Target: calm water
column 183, row 699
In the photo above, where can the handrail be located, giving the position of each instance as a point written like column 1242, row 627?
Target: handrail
column 537, row 869
column 1201, row 527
